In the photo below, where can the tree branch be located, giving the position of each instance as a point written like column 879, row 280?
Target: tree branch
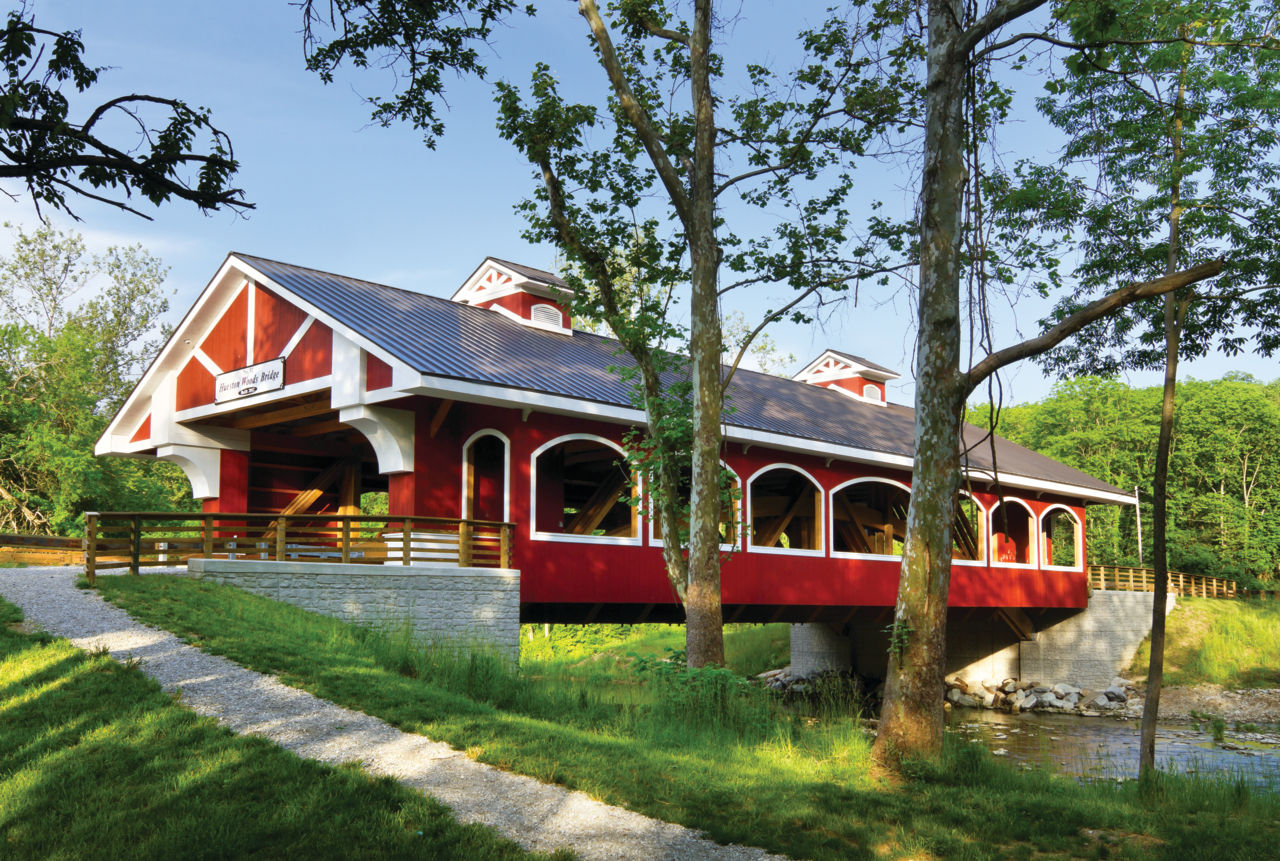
column 1088, row 314
column 636, row 113
column 997, row 16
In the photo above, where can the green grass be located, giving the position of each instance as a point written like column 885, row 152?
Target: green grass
column 97, row 762
column 639, row 734
column 1230, row 643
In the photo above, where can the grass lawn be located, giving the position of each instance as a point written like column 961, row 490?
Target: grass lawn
column 1230, row 643
column 97, row 762
column 708, row 750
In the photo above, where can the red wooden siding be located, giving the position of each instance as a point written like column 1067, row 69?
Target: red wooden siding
column 143, row 431
column 226, row 343
column 195, row 386
column 377, row 373
column 313, row 357
column 275, row 322
column 233, row 491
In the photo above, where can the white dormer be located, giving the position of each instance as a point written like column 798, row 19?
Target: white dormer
column 531, row 297
column 850, row 375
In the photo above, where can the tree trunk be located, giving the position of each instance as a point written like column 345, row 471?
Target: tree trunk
column 1175, row 310
column 911, row 718
column 704, row 621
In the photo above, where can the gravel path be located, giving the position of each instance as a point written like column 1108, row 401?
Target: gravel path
column 536, row 815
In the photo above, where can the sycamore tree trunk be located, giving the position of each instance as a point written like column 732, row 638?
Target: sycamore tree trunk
column 704, row 622
column 911, row 717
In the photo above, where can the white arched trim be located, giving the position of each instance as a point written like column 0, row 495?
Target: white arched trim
column 533, row 495
column 820, row 515
column 1079, row 529
column 389, row 431
column 652, row 516
column 831, row 517
column 984, row 534
column 506, row 471
column 1033, row 538
column 203, row 467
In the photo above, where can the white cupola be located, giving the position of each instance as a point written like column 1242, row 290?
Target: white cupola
column 850, row 375
column 529, row 296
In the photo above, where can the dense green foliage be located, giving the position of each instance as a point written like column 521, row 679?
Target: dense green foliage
column 97, row 762
column 76, row 330
column 1235, row 644
column 802, row 784
column 1224, row 470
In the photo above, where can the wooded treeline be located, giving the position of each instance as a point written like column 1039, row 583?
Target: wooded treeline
column 76, row 331
column 1224, row 469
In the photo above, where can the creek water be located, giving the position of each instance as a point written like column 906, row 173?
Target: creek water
column 1107, row 748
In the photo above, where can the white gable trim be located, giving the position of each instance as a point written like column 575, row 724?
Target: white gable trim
column 473, row 291
column 832, row 366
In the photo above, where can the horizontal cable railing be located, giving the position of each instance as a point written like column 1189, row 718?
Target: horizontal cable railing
column 1133, row 579
column 137, row 540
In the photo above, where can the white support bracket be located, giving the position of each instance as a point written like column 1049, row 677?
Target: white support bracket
column 389, row 431
column 203, row 467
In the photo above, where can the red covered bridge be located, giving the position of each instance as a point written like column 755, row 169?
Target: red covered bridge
column 289, row 389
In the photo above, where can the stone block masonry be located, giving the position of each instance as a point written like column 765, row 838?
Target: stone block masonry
column 440, row 604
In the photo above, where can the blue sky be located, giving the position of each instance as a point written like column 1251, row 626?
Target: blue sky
column 335, row 192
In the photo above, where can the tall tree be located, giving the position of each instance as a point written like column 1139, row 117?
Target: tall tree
column 961, row 40
column 635, row 190
column 59, row 159
column 1177, row 109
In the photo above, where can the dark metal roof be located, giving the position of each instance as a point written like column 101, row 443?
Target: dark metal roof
column 866, row 363
column 447, row 339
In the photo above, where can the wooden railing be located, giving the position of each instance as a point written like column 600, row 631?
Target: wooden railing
column 137, row 540
column 41, row 549
column 1129, row 579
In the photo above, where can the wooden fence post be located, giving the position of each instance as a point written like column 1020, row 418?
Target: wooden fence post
column 407, row 541
column 464, row 543
column 90, row 545
column 280, row 538
column 346, row 539
column 207, row 536
column 504, row 546
column 135, row 543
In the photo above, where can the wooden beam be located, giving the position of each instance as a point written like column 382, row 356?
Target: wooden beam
column 776, row 530
column 319, row 428
column 349, row 490
column 1018, row 622
column 314, row 490
column 860, row 544
column 439, row 417
column 606, row 496
column 288, row 414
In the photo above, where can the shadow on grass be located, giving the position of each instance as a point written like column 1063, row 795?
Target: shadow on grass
column 97, row 762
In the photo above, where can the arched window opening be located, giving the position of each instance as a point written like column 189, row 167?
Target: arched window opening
column 582, row 489
column 1060, row 536
column 730, row 505
column 967, row 531
column 786, row 508
column 486, row 478
column 871, row 392
column 1011, row 533
column 870, row 517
